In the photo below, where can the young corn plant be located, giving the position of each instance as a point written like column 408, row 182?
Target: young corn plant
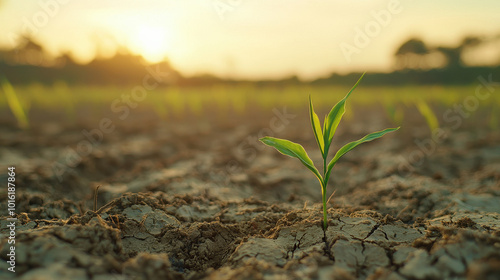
column 14, row 103
column 324, row 139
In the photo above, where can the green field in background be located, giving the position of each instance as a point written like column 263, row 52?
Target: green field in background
column 239, row 99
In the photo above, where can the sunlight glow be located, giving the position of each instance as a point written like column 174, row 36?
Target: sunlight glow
column 151, row 42
column 302, row 39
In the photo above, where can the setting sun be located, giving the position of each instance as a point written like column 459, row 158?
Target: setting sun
column 151, row 42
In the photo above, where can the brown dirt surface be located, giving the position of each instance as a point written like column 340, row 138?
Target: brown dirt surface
column 202, row 199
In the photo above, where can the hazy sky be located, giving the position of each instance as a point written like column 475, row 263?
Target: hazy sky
column 251, row 39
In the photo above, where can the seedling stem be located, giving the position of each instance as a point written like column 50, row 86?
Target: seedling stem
column 324, row 139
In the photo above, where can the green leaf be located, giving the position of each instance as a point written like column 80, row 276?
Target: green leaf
column 316, row 126
column 428, row 114
column 333, row 119
column 293, row 150
column 348, row 147
column 14, row 103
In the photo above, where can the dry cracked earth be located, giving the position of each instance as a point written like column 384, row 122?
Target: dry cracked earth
column 177, row 203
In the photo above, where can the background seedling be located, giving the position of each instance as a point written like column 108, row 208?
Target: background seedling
column 430, row 117
column 395, row 113
column 96, row 191
column 14, row 104
column 324, row 139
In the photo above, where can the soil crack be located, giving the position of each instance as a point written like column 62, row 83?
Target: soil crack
column 363, row 247
column 296, row 246
column 375, row 227
column 328, row 252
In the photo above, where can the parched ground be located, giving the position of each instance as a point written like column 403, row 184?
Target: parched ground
column 202, row 199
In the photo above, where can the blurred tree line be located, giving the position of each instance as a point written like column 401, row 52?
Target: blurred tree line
column 414, row 63
column 29, row 62
column 417, row 63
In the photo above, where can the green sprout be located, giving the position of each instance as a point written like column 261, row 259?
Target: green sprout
column 430, row 117
column 324, row 139
column 14, row 103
